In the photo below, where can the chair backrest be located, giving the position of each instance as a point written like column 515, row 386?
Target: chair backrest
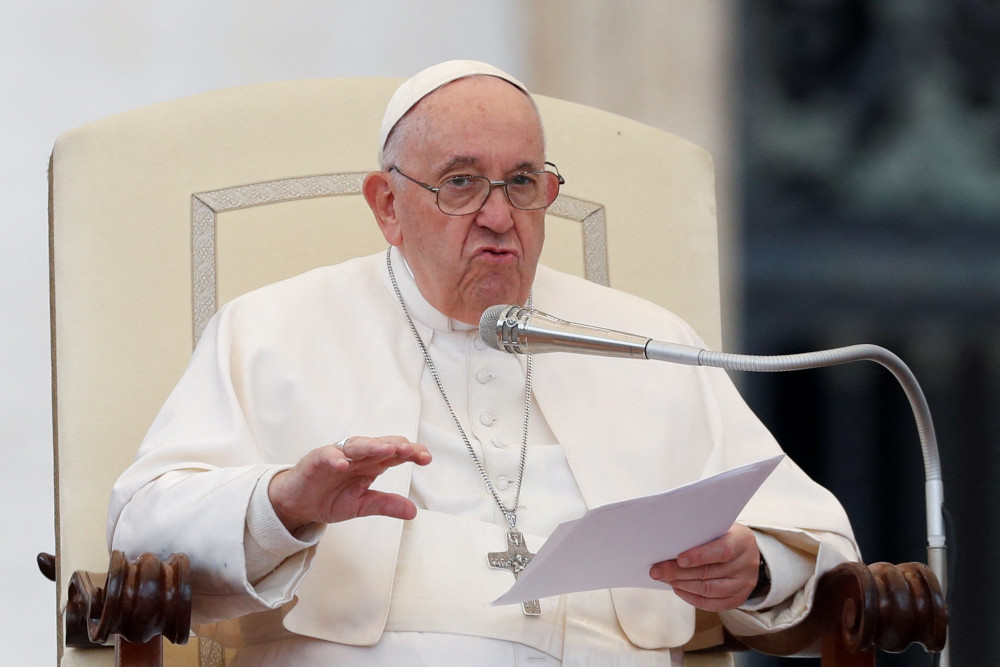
column 160, row 214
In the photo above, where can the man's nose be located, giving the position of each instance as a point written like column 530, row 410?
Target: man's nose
column 496, row 213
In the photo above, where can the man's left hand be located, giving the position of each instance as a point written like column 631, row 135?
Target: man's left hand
column 716, row 576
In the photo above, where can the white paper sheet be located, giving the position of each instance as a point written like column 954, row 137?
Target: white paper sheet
column 613, row 546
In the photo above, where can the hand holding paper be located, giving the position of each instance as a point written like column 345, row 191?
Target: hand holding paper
column 719, row 575
column 614, row 546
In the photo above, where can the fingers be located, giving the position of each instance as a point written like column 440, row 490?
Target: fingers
column 332, row 483
column 714, row 594
column 391, row 505
column 396, row 448
column 715, row 576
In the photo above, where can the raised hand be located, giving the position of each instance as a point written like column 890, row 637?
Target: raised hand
column 332, row 483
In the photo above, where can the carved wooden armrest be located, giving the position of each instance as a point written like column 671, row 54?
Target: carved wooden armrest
column 138, row 601
column 859, row 609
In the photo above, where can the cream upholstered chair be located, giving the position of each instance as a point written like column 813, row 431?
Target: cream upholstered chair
column 161, row 214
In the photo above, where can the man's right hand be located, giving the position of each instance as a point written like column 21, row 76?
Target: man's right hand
column 331, row 484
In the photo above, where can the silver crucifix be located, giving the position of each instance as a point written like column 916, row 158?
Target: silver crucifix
column 515, row 559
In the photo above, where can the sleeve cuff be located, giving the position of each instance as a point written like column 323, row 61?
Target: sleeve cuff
column 266, row 541
column 790, row 569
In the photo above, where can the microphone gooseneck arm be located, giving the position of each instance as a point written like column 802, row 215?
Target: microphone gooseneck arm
column 933, row 483
column 522, row 330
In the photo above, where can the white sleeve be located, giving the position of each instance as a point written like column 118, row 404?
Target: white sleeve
column 788, row 568
column 268, row 544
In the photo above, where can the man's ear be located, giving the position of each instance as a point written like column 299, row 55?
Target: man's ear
column 382, row 201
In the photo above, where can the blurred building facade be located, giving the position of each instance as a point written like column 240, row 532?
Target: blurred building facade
column 870, row 136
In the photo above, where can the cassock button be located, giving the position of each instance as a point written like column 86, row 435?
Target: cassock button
column 498, row 443
column 486, row 419
column 484, row 376
column 503, row 483
column 478, row 342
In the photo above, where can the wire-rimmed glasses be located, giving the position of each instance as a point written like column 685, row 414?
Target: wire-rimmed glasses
column 464, row 194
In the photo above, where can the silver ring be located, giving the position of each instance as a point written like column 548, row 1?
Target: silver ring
column 340, row 445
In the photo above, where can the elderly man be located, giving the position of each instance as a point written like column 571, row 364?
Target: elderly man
column 338, row 488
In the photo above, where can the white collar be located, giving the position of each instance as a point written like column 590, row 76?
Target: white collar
column 420, row 309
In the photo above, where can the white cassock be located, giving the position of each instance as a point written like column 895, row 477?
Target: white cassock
column 308, row 361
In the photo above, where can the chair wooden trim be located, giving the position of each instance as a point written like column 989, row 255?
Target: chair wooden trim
column 857, row 611
column 134, row 606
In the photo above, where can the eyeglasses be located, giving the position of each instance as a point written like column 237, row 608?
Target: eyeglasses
column 464, row 194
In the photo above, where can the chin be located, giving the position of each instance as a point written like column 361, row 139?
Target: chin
column 497, row 289
column 502, row 297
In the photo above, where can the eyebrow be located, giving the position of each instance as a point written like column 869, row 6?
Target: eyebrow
column 468, row 160
column 458, row 161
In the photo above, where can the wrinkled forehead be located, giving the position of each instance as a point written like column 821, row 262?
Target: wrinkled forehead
column 470, row 120
column 475, row 94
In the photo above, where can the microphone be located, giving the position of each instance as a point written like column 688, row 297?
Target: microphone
column 520, row 330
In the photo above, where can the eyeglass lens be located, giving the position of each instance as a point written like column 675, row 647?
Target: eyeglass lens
column 461, row 195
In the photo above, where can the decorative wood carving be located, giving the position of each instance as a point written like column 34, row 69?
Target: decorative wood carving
column 859, row 609
column 137, row 601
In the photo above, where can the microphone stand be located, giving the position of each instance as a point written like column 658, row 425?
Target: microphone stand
column 521, row 330
column 933, row 484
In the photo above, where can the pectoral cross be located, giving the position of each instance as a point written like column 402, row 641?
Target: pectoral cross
column 515, row 559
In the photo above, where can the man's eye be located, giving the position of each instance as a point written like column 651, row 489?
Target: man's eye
column 522, row 180
column 461, row 182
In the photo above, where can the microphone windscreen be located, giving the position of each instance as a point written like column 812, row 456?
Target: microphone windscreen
column 488, row 325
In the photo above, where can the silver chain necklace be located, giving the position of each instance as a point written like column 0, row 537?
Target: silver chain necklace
column 517, row 556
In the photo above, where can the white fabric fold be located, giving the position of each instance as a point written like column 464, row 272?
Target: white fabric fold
column 277, row 374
